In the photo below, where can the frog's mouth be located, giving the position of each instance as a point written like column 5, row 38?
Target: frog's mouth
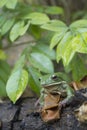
column 53, row 84
column 56, row 88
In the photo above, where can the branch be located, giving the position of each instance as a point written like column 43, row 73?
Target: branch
column 20, row 44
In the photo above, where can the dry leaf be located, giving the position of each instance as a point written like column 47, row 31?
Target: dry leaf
column 51, row 101
column 50, row 115
column 79, row 85
column 50, row 111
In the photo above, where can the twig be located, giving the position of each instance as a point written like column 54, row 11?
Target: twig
column 19, row 44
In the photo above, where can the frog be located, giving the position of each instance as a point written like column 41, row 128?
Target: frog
column 55, row 84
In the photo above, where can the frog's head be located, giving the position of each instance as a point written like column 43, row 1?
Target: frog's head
column 49, row 80
column 53, row 83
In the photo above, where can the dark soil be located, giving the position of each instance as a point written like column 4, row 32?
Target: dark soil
column 24, row 116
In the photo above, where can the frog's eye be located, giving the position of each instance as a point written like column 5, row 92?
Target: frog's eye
column 39, row 79
column 54, row 77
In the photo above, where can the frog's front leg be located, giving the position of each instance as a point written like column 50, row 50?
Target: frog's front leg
column 40, row 101
column 68, row 99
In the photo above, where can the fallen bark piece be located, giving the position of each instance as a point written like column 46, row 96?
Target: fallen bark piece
column 27, row 107
column 6, row 126
column 78, row 98
column 7, row 111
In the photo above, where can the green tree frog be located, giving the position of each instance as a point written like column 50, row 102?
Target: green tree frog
column 54, row 84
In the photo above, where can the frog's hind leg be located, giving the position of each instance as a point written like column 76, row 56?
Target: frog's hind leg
column 68, row 99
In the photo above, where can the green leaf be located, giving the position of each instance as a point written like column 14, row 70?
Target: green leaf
column 63, row 76
column 2, row 89
column 83, row 48
column 2, row 20
column 3, row 2
column 34, row 83
column 55, row 25
column 47, row 38
column 69, row 45
column 35, row 31
column 39, row 8
column 81, row 30
column 61, row 48
column 3, row 75
column 4, row 71
column 53, row 10
column 78, row 14
column 17, row 84
column 11, row 4
column 84, row 36
column 5, row 67
column 79, row 43
column 44, row 48
column 78, row 68
column 79, row 24
column 68, row 55
column 18, row 29
column 24, row 29
column 2, row 55
column 41, row 62
column 20, row 63
column 7, row 25
column 37, row 18
column 56, row 39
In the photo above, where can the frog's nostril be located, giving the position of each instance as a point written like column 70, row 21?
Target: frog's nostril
column 54, row 77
